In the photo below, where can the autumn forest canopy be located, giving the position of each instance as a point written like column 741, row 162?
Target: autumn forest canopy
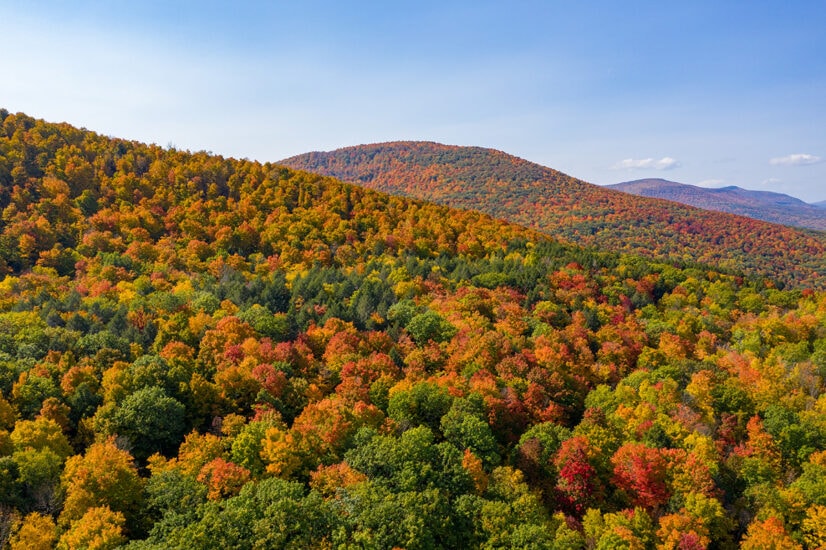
column 201, row 352
column 577, row 212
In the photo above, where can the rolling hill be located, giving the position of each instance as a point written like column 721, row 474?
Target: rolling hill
column 520, row 191
column 203, row 352
column 762, row 205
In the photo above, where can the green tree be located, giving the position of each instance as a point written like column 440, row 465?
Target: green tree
column 464, row 426
column 424, row 404
column 429, row 325
column 148, row 419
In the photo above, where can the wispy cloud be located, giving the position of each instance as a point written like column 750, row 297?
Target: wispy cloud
column 770, row 181
column 711, row 183
column 665, row 163
column 797, row 159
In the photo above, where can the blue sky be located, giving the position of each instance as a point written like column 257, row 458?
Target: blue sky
column 710, row 93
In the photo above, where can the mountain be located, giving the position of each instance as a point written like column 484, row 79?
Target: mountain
column 761, row 205
column 575, row 211
column 202, row 352
column 821, row 204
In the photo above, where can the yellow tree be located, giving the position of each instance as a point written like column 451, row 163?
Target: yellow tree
column 104, row 476
column 769, row 533
column 98, row 529
column 814, row 527
column 36, row 532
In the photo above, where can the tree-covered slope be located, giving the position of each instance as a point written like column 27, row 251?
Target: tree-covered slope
column 761, row 205
column 198, row 352
column 529, row 194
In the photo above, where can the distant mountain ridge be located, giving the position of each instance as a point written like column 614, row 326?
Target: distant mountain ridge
column 762, row 205
column 572, row 210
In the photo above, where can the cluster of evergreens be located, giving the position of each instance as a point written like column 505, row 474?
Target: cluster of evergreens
column 201, row 352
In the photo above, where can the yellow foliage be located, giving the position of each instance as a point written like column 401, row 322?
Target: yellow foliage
column 36, row 532
column 104, row 476
column 473, row 465
column 328, row 479
column 6, row 414
column 39, row 434
column 814, row 527
column 99, row 529
column 674, row 527
column 770, row 533
column 704, row 448
column 197, row 450
column 700, row 390
column 280, row 452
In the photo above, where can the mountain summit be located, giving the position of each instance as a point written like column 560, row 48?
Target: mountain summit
column 520, row 191
column 761, row 205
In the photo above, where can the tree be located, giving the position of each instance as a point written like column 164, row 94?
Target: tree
column 6, row 414
column 280, row 451
column 578, row 484
column 39, row 451
column 510, row 515
column 768, row 533
column 248, row 444
column 223, row 479
column 464, row 426
column 172, row 496
column 413, row 462
column 631, row 528
column 327, row 480
column 98, row 529
column 42, row 433
column 424, row 404
column 535, row 455
column 430, row 326
column 640, row 472
column 11, row 496
column 814, row 527
column 36, row 532
column 103, row 477
column 149, row 419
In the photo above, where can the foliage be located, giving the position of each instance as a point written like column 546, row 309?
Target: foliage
column 199, row 352
column 519, row 191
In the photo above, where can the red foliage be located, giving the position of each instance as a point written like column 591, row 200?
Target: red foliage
column 641, row 472
column 578, row 485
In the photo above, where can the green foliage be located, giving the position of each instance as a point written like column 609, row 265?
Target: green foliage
column 265, row 322
column 11, row 486
column 428, row 326
column 424, row 404
column 464, row 425
column 148, row 419
column 412, row 462
column 270, row 514
column 173, row 497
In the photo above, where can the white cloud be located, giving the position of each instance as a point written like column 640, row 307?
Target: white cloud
column 770, row 181
column 665, row 163
column 797, row 159
column 711, row 183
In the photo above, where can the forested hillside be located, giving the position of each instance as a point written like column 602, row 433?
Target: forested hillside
column 199, row 352
column 529, row 194
column 761, row 205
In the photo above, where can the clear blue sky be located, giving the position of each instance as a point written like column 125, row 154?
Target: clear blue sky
column 712, row 93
